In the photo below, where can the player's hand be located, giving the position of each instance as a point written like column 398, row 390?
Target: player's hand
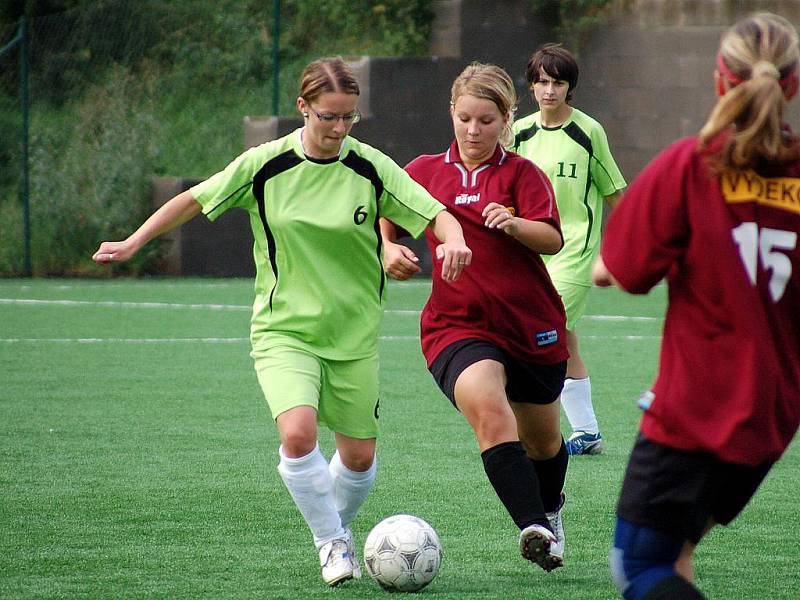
column 113, row 252
column 399, row 261
column 455, row 255
column 500, row 217
column 601, row 276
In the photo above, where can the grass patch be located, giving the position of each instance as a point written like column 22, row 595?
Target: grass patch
column 137, row 457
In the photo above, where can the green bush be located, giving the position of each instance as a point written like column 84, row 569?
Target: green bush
column 122, row 90
column 11, row 232
column 94, row 183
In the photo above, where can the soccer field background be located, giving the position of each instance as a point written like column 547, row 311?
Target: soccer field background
column 138, row 459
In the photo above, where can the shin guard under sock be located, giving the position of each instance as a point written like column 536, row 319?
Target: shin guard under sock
column 514, row 480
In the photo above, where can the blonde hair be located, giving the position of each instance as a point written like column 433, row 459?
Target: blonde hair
column 489, row 82
column 323, row 75
column 758, row 58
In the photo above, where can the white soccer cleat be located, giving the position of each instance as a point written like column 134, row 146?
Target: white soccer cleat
column 534, row 545
column 351, row 549
column 337, row 566
column 557, row 548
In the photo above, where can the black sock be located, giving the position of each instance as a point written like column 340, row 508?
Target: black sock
column 514, row 480
column 672, row 588
column 552, row 473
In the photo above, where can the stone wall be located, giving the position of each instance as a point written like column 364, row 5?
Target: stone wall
column 645, row 73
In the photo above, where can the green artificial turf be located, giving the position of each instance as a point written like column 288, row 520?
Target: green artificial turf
column 137, row 457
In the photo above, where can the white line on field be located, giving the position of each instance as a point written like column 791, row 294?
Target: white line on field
column 619, row 318
column 239, row 340
column 211, row 340
column 112, row 304
column 240, row 307
column 621, row 337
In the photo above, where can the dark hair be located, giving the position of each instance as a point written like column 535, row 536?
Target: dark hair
column 557, row 62
column 327, row 75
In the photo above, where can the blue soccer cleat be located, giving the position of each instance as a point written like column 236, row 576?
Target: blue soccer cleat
column 581, row 442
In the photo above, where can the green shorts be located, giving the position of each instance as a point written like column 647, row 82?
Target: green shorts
column 343, row 392
column 574, row 297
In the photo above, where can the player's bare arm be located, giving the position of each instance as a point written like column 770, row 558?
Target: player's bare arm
column 399, row 261
column 536, row 235
column 172, row 214
column 453, row 251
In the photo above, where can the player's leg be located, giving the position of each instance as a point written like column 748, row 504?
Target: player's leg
column 349, row 406
column 534, row 390
column 576, row 398
column 290, row 380
column 665, row 506
column 481, row 398
column 352, row 482
column 472, row 375
column 643, row 563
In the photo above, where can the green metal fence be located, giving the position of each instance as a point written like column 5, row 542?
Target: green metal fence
column 19, row 45
column 98, row 99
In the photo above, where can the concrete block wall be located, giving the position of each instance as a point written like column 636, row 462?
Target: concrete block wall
column 201, row 248
column 644, row 91
column 646, row 75
column 647, row 72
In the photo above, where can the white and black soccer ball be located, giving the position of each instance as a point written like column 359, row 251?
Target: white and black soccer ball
column 403, row 553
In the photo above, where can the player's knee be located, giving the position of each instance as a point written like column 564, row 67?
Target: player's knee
column 641, row 558
column 298, row 441
column 492, row 421
column 359, row 460
column 543, row 447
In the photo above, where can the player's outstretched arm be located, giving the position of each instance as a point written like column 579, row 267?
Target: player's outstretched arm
column 453, row 251
column 172, row 214
column 399, row 261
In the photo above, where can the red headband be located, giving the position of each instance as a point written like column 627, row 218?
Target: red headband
column 735, row 80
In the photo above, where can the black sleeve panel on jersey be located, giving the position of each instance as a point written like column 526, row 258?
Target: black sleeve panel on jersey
column 235, row 192
column 579, row 136
column 525, row 135
column 366, row 169
column 574, row 131
column 275, row 166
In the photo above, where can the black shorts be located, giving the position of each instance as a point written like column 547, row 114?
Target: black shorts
column 526, row 382
column 677, row 492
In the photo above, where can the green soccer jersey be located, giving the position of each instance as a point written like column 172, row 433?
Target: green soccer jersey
column 319, row 276
column 578, row 162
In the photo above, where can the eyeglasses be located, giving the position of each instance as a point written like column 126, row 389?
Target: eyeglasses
column 348, row 119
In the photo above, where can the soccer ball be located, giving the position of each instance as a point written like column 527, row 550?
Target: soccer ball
column 402, row 553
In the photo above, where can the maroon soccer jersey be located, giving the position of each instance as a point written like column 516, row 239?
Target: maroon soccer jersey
column 505, row 296
column 729, row 374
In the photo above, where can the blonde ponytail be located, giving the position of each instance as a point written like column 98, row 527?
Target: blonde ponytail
column 758, row 61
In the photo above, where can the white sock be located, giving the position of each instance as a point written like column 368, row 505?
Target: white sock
column 350, row 488
column 576, row 398
column 310, row 484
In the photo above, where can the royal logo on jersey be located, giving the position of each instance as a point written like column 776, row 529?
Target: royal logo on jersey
column 748, row 186
column 468, row 198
